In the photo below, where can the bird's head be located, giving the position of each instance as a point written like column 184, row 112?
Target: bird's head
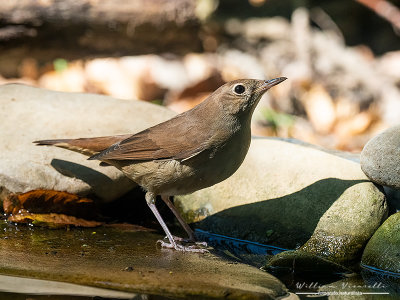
column 242, row 96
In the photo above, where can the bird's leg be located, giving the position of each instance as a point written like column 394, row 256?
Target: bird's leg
column 151, row 199
column 185, row 226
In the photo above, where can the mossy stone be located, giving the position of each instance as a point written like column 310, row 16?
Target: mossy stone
column 383, row 249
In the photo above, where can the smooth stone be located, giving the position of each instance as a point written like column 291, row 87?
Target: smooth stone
column 287, row 195
column 305, row 263
column 380, row 158
column 129, row 260
column 19, row 285
column 28, row 114
column 383, row 249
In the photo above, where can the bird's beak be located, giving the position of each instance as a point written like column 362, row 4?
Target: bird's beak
column 270, row 83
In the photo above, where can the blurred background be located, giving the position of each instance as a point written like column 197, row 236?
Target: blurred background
column 342, row 57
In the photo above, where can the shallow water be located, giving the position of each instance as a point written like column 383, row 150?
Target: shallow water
column 127, row 259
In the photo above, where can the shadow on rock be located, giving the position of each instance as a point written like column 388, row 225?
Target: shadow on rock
column 287, row 221
column 101, row 183
column 74, row 170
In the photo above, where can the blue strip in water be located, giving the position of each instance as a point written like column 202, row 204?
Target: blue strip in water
column 238, row 244
column 377, row 270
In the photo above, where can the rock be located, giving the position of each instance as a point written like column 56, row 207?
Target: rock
column 28, row 114
column 287, row 195
column 347, row 225
column 380, row 158
column 383, row 249
column 308, row 264
column 128, row 260
column 19, row 285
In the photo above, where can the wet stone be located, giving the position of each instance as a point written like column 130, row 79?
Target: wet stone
column 305, row 263
column 130, row 261
column 382, row 252
column 16, row 288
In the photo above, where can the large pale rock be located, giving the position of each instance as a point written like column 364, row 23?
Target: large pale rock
column 287, row 195
column 28, row 114
column 380, row 158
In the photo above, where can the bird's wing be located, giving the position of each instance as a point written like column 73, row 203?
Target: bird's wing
column 174, row 139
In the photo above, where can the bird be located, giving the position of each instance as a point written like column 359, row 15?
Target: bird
column 191, row 151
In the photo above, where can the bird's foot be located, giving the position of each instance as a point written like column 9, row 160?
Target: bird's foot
column 189, row 241
column 179, row 247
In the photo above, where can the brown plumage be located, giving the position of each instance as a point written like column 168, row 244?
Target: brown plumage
column 191, row 151
column 179, row 142
column 87, row 146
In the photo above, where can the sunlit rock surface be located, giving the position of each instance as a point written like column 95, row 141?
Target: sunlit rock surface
column 380, row 158
column 290, row 195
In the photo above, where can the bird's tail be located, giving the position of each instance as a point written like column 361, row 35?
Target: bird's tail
column 86, row 146
column 52, row 142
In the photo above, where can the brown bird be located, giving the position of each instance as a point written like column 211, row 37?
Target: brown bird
column 194, row 150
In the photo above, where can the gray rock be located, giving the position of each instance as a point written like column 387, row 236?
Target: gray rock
column 287, row 195
column 383, row 249
column 344, row 229
column 28, row 114
column 380, row 158
column 127, row 259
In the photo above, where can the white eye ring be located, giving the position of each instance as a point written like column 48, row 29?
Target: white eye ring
column 239, row 89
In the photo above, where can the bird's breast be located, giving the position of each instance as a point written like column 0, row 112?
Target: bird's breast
column 213, row 165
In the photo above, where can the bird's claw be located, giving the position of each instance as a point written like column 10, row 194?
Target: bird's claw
column 179, row 247
column 187, row 241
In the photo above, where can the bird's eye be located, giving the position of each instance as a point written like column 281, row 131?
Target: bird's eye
column 239, row 89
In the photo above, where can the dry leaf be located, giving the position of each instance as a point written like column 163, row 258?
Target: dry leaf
column 48, row 201
column 72, row 79
column 51, row 220
column 320, row 109
column 354, row 126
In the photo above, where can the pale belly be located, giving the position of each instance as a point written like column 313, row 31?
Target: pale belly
column 171, row 177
